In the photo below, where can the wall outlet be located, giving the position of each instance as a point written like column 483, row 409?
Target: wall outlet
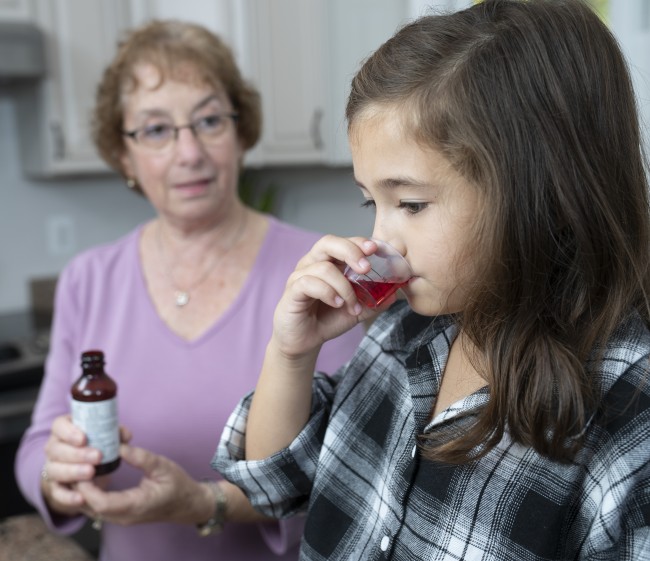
column 60, row 235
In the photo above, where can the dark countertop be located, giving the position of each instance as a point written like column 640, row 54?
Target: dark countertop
column 24, row 342
column 26, row 538
column 23, row 325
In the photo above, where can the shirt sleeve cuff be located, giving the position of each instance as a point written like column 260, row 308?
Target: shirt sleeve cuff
column 277, row 486
column 282, row 535
column 31, row 486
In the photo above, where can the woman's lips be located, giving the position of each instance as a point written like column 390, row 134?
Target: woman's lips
column 191, row 188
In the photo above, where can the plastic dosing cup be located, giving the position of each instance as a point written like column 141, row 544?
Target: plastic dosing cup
column 389, row 271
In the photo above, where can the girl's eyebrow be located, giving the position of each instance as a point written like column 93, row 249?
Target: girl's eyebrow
column 394, row 182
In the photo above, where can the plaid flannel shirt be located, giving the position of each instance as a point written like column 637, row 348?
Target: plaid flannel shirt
column 370, row 495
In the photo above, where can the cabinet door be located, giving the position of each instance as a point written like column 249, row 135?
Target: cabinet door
column 278, row 46
column 216, row 15
column 16, row 10
column 54, row 116
column 630, row 22
column 288, row 65
column 355, row 30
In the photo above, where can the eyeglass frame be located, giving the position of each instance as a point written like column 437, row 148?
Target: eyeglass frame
column 133, row 134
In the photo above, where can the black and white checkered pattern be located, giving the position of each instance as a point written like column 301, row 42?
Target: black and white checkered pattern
column 370, row 495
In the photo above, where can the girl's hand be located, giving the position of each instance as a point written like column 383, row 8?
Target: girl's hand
column 68, row 461
column 319, row 302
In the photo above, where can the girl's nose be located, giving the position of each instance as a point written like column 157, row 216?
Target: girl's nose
column 392, row 240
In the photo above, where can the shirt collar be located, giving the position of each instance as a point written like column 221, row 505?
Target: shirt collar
column 402, row 332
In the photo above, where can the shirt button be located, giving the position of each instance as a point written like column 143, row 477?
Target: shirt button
column 384, row 543
column 383, row 510
column 414, row 451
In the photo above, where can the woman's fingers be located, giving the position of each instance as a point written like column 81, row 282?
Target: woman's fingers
column 58, row 451
column 66, row 498
column 64, row 430
column 66, row 463
column 70, row 463
column 163, row 492
column 125, row 435
column 61, row 472
column 67, row 459
column 141, row 458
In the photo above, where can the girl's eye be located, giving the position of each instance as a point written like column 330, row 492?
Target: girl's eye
column 412, row 207
column 368, row 203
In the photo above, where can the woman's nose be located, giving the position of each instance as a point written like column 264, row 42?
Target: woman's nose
column 188, row 147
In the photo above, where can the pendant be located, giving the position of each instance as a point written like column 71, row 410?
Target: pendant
column 182, row 298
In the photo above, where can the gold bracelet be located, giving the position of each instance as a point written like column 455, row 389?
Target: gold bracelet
column 215, row 524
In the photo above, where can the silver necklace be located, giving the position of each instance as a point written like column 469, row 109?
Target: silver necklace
column 182, row 296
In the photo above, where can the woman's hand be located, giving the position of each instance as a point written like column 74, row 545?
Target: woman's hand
column 165, row 493
column 68, row 461
column 319, row 302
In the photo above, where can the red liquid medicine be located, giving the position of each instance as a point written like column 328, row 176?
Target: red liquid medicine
column 94, row 410
column 372, row 294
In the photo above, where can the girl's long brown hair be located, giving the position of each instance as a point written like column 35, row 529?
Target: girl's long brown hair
column 532, row 102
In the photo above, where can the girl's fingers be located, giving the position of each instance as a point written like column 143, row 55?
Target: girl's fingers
column 324, row 281
column 345, row 251
column 317, row 289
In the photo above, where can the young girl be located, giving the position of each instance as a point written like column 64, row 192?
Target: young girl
column 504, row 413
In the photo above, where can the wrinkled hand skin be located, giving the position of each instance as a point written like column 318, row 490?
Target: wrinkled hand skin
column 165, row 493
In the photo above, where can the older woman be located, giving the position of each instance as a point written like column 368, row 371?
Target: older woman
column 182, row 308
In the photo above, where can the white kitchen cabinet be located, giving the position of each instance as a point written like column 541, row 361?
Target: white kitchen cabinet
column 16, row 10
column 53, row 116
column 630, row 23
column 279, row 47
column 354, row 31
column 287, row 61
column 301, row 55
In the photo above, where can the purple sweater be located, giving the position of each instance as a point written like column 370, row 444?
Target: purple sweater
column 174, row 395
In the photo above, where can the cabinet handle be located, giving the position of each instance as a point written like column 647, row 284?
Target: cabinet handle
column 58, row 140
column 316, row 136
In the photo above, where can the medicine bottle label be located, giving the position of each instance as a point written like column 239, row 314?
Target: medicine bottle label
column 98, row 419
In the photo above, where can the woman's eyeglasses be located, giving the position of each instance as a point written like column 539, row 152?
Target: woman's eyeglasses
column 206, row 129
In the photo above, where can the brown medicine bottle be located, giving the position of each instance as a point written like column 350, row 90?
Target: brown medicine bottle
column 94, row 410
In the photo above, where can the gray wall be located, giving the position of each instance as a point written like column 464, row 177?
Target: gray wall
column 44, row 223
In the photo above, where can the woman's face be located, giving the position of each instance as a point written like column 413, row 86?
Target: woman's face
column 188, row 181
column 423, row 207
